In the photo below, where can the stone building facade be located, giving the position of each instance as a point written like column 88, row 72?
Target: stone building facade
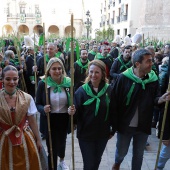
column 28, row 16
column 148, row 17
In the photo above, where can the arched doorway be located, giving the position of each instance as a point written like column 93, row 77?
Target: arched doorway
column 53, row 29
column 6, row 30
column 68, row 31
column 38, row 29
column 23, row 29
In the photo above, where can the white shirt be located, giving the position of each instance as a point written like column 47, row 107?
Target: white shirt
column 32, row 109
column 58, row 101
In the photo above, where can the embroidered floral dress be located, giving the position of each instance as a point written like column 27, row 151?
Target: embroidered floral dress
column 18, row 150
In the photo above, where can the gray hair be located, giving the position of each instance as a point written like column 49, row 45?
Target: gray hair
column 8, row 54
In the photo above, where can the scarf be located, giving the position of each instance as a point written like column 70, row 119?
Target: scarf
column 99, row 56
column 57, row 87
column 129, row 74
column 57, row 55
column 92, row 52
column 81, row 65
column 124, row 65
column 89, row 92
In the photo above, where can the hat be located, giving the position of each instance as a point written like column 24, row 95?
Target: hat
column 28, row 41
column 137, row 38
column 117, row 39
column 127, row 40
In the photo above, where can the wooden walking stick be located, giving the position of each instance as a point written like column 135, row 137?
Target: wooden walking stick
column 47, row 102
column 71, row 89
column 143, row 41
column 163, row 123
column 35, row 73
column 19, row 59
column 35, row 63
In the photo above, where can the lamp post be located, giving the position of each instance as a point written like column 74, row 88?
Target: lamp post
column 88, row 23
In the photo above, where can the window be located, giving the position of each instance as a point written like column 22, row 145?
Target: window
column 118, row 32
column 22, row 9
column 125, row 31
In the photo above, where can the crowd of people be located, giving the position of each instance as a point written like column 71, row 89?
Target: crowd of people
column 118, row 88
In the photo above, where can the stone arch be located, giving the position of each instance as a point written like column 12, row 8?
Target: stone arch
column 67, row 31
column 23, row 29
column 7, row 29
column 38, row 29
column 53, row 29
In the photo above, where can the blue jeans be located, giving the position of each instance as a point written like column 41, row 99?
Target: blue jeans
column 163, row 157
column 122, row 146
column 92, row 152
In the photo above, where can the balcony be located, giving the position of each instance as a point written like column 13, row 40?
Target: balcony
column 118, row 19
column 112, row 20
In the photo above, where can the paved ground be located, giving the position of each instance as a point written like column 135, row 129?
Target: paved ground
column 108, row 156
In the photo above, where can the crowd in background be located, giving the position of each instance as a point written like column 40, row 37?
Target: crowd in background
column 107, row 61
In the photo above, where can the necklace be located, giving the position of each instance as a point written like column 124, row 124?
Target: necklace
column 10, row 94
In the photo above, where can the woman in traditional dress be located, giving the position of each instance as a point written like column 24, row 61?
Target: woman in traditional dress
column 59, row 96
column 92, row 112
column 19, row 144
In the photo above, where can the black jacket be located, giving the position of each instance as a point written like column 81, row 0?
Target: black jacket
column 79, row 75
column 89, row 126
column 114, row 52
column 115, row 69
column 143, row 99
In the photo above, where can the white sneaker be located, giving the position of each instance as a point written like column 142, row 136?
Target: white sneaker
column 62, row 165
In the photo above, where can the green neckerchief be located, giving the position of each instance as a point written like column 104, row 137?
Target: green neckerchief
column 129, row 74
column 58, row 54
column 92, row 52
column 57, row 87
column 81, row 65
column 100, row 56
column 47, row 57
column 124, row 65
column 89, row 92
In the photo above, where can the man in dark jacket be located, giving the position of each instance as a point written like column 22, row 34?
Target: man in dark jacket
column 132, row 101
column 80, row 67
column 92, row 53
column 121, row 63
column 114, row 50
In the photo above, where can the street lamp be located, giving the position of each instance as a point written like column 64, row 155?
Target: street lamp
column 88, row 23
